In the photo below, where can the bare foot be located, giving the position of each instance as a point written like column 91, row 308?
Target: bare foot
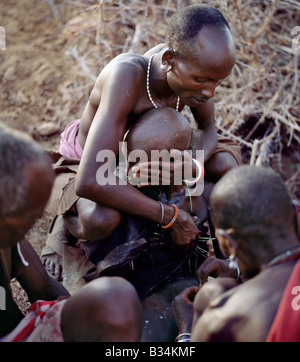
column 53, row 264
column 53, row 251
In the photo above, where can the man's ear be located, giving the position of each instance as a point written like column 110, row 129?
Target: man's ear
column 227, row 243
column 167, row 59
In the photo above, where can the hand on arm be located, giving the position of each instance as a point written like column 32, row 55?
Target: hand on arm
column 173, row 173
column 214, row 267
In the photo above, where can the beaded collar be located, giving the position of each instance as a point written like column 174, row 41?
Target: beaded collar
column 285, row 256
column 148, row 86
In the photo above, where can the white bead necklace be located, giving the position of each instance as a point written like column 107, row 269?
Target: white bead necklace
column 148, row 86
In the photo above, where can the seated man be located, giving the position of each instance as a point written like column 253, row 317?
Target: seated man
column 256, row 225
column 198, row 55
column 94, row 312
column 143, row 251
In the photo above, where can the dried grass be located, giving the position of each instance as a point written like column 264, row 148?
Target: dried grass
column 258, row 105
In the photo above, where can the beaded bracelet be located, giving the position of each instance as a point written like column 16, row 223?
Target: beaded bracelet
column 173, row 218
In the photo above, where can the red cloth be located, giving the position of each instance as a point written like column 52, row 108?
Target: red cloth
column 34, row 317
column 286, row 324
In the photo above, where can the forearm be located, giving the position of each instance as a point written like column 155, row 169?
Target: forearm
column 34, row 278
column 124, row 198
column 205, row 140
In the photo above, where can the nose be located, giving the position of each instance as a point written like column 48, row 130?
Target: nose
column 209, row 91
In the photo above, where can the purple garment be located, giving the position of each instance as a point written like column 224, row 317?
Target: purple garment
column 69, row 145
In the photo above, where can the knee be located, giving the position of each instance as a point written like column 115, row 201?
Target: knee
column 219, row 165
column 99, row 225
column 120, row 310
column 107, row 310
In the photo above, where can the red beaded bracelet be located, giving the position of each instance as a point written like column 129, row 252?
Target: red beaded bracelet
column 173, row 218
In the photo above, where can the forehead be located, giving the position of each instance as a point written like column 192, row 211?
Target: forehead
column 211, row 51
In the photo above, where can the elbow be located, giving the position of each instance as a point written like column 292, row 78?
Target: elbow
column 84, row 187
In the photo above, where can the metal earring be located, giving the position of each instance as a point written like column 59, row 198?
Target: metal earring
column 232, row 262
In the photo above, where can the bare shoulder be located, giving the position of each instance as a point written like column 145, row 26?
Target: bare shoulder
column 244, row 313
column 121, row 79
column 129, row 66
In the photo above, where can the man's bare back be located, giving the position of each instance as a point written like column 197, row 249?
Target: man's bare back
column 246, row 312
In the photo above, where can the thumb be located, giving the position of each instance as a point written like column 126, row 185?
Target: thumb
column 175, row 153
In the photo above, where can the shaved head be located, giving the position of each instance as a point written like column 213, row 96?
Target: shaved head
column 160, row 129
column 253, row 201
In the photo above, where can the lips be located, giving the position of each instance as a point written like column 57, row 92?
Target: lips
column 196, row 101
column 201, row 100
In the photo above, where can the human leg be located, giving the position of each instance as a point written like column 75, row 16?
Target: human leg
column 159, row 321
column 105, row 310
column 92, row 222
column 219, row 164
column 52, row 253
column 89, row 222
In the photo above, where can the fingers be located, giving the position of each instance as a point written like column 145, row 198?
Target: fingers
column 150, row 173
column 159, row 172
column 209, row 267
column 165, row 172
column 189, row 293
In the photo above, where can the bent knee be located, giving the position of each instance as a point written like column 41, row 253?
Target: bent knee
column 218, row 165
column 100, row 315
column 99, row 224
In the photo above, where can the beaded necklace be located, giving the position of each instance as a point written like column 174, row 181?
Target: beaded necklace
column 148, row 86
column 287, row 255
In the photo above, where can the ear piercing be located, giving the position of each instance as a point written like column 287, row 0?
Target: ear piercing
column 164, row 68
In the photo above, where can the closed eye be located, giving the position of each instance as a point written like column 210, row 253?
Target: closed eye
column 201, row 81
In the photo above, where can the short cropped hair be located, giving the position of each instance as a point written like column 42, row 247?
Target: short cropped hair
column 253, row 201
column 17, row 150
column 186, row 23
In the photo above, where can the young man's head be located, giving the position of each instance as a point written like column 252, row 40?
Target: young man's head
column 26, row 179
column 199, row 53
column 187, row 22
column 254, row 216
column 155, row 134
